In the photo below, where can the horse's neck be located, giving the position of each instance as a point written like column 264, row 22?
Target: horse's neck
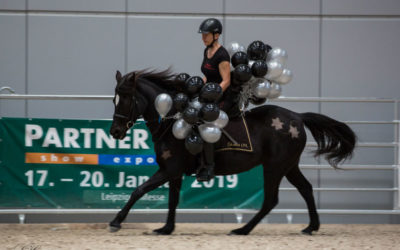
column 150, row 91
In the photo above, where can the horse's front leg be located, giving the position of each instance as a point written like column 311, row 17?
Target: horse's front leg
column 159, row 178
column 174, row 190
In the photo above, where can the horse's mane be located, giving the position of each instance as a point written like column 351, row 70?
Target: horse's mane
column 165, row 78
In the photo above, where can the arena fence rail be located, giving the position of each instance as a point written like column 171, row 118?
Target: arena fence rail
column 395, row 168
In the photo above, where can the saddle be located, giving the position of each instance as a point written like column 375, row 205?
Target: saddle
column 236, row 137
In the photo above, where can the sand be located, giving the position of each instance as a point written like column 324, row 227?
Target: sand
column 196, row 236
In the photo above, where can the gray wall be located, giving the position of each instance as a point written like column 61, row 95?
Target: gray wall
column 341, row 48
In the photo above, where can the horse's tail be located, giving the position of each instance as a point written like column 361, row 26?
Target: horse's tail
column 334, row 138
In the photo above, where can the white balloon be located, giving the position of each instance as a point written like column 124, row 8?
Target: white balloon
column 262, row 89
column 277, row 54
column 275, row 91
column 181, row 129
column 221, row 121
column 209, row 133
column 251, row 63
column 195, row 103
column 234, row 47
column 275, row 69
column 163, row 104
column 285, row 77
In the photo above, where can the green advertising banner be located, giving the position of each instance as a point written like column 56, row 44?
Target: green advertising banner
column 51, row 163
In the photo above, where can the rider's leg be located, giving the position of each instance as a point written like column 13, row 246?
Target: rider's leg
column 206, row 171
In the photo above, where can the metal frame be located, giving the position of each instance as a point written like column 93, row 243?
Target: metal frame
column 239, row 212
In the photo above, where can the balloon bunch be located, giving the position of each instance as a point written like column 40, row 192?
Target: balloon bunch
column 198, row 117
column 259, row 71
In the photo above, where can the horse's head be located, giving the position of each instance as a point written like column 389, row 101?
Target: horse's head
column 127, row 106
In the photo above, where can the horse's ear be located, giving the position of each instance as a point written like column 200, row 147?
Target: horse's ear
column 118, row 76
column 132, row 79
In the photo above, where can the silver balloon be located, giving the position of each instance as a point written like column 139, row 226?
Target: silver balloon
column 285, row 77
column 277, row 54
column 275, row 69
column 221, row 121
column 261, row 89
column 195, row 103
column 209, row 133
column 181, row 129
column 234, row 47
column 275, row 90
column 163, row 104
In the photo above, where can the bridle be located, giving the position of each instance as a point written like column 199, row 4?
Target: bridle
column 128, row 118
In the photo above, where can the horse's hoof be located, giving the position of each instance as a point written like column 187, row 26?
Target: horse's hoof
column 163, row 231
column 238, row 232
column 113, row 229
column 308, row 230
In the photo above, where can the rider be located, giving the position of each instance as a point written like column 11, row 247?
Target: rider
column 216, row 68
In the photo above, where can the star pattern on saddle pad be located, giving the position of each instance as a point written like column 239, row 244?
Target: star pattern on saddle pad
column 293, row 132
column 166, row 154
column 277, row 124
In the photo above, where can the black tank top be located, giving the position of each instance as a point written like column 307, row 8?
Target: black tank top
column 209, row 67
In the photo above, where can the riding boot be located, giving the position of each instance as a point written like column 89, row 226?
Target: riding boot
column 206, row 171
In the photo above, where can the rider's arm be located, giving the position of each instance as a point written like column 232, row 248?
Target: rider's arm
column 225, row 72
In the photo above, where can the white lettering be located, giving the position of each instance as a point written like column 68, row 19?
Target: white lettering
column 70, row 137
column 102, row 137
column 87, row 132
column 138, row 160
column 116, row 160
column 52, row 138
column 78, row 158
column 131, row 181
column 139, row 139
column 82, row 138
column 32, row 132
column 128, row 160
column 53, row 157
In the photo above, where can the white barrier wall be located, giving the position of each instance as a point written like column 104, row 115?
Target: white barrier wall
column 341, row 48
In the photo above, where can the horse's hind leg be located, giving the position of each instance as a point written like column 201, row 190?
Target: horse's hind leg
column 159, row 178
column 272, row 179
column 174, row 190
column 300, row 182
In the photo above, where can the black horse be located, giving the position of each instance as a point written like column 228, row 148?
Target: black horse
column 277, row 134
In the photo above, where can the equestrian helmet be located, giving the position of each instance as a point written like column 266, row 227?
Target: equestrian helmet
column 211, row 25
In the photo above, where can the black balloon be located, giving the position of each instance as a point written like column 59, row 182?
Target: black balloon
column 239, row 58
column 182, row 78
column 259, row 68
column 257, row 50
column 190, row 115
column 268, row 48
column 194, row 84
column 257, row 101
column 209, row 112
column 211, row 92
column 235, row 82
column 180, row 81
column 242, row 73
column 181, row 101
column 194, row 143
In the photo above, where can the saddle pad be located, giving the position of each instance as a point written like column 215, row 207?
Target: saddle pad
column 237, row 129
